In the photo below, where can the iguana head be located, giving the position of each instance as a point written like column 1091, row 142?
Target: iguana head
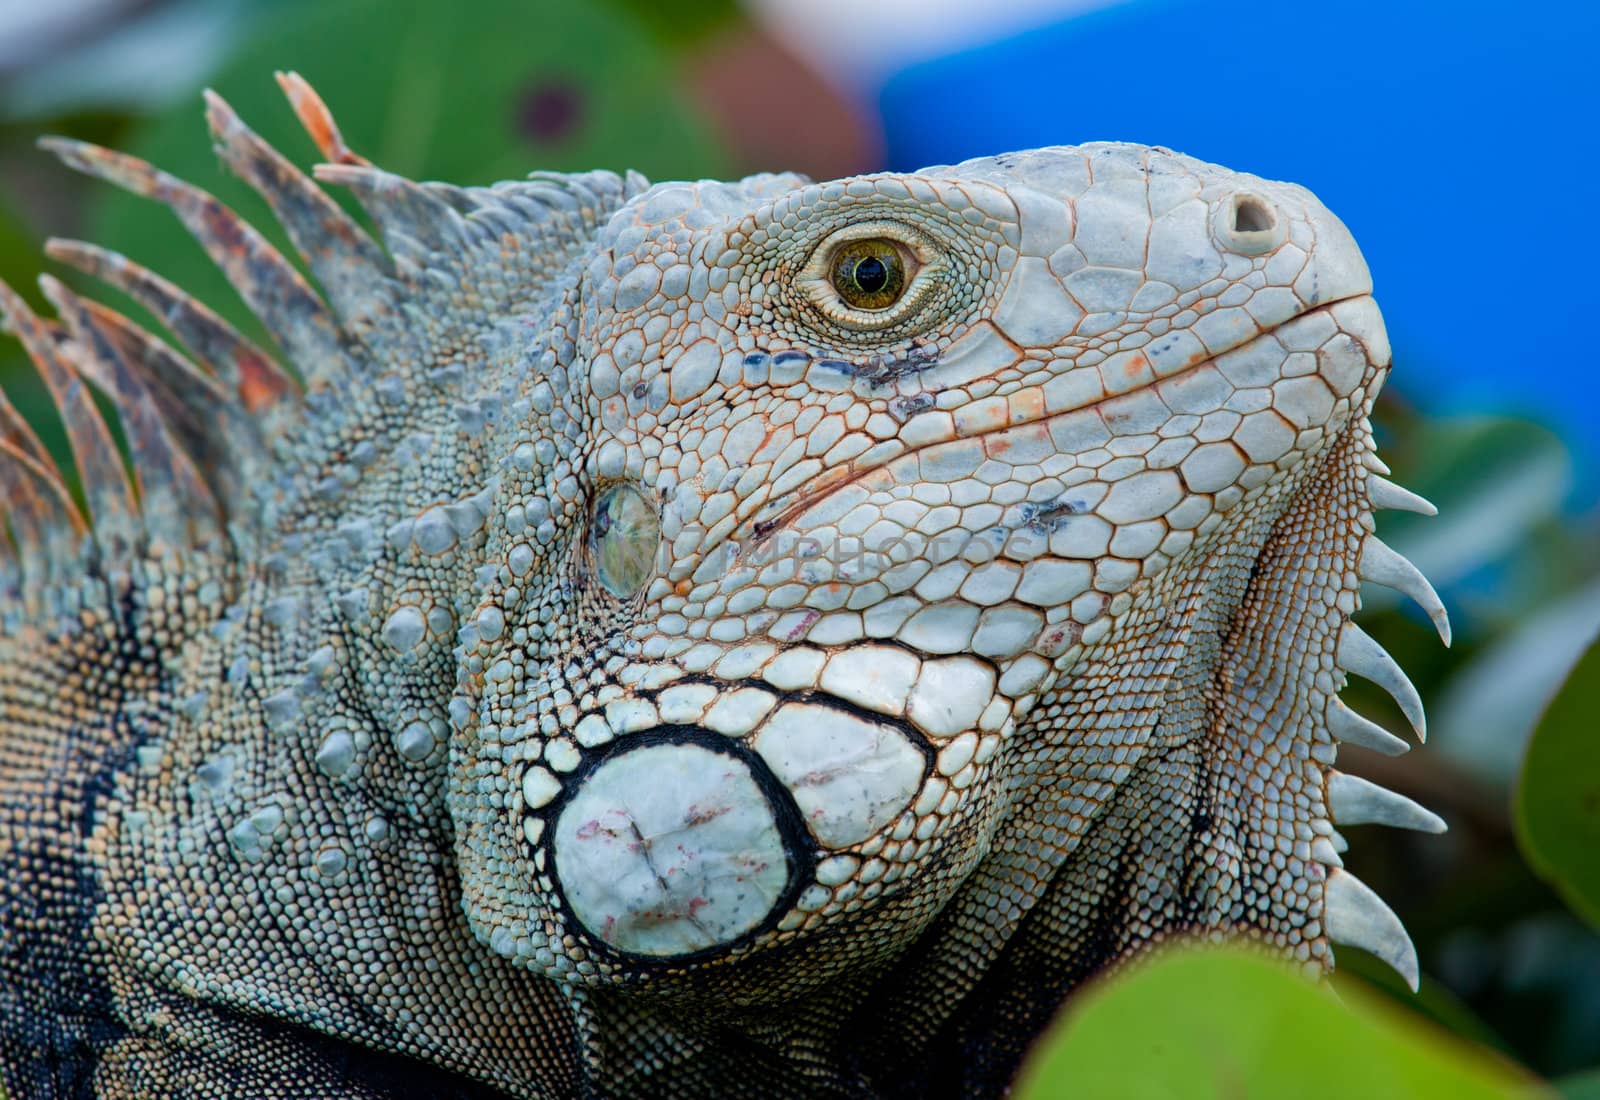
column 858, row 534
column 720, row 590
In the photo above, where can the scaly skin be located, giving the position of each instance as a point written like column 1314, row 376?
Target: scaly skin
column 627, row 669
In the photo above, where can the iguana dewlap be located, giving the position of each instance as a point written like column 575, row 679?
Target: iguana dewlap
column 754, row 638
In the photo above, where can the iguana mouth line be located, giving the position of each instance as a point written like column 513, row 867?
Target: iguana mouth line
column 825, row 485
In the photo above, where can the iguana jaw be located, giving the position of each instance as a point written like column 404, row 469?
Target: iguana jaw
column 1350, row 359
column 1033, row 407
column 1193, row 747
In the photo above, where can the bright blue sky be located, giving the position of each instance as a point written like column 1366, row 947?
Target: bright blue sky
column 1457, row 140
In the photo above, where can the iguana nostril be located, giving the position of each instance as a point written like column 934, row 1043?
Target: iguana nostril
column 1251, row 215
column 1248, row 224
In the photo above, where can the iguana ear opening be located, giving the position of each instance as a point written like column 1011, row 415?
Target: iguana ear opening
column 623, row 539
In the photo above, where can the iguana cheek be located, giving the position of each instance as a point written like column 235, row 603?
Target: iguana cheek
column 850, row 776
column 686, row 838
column 670, row 849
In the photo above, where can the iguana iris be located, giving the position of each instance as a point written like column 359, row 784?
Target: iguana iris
column 686, row 639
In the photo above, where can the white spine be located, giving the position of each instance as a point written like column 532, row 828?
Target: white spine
column 1381, row 565
column 1383, row 493
column 1356, row 801
column 1357, row 917
column 1359, row 655
column 1349, row 727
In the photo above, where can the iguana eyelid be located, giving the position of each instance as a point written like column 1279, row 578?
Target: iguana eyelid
column 924, row 260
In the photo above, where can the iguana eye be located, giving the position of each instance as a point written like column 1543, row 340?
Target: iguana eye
column 872, row 276
column 624, row 533
column 869, row 274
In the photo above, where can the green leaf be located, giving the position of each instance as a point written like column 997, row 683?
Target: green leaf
column 20, row 261
column 1196, row 1023
column 1580, row 1086
column 681, row 23
column 1366, row 975
column 1557, row 810
column 431, row 91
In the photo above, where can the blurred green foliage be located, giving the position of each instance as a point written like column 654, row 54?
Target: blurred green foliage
column 1196, row 1023
column 1580, row 1086
column 682, row 23
column 1558, row 798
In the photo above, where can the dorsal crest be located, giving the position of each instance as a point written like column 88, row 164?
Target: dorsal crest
column 233, row 446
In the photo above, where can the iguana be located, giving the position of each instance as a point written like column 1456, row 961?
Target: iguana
column 692, row 639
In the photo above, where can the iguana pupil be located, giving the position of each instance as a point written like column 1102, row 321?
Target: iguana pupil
column 869, row 274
